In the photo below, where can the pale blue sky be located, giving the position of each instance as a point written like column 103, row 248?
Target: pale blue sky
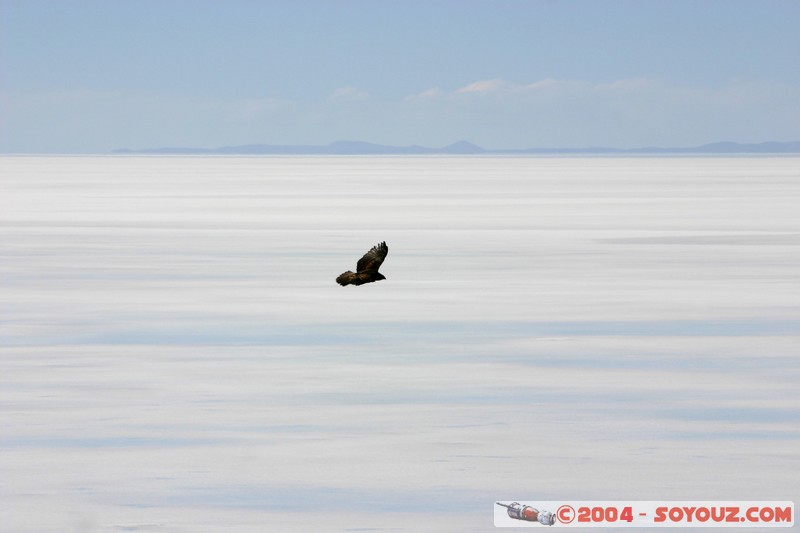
column 91, row 76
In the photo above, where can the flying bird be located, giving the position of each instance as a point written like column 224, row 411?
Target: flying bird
column 366, row 268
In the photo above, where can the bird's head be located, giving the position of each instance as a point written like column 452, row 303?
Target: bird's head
column 379, row 276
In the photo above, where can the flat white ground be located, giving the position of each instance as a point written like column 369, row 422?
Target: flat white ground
column 175, row 355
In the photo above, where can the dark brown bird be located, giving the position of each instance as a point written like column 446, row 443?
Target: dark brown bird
column 366, row 268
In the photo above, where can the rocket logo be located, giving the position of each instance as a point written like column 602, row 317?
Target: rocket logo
column 529, row 514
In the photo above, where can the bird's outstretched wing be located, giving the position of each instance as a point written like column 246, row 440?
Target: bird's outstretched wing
column 373, row 259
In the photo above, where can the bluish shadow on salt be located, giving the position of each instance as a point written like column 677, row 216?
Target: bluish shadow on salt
column 349, row 334
column 288, row 498
column 773, row 415
column 103, row 442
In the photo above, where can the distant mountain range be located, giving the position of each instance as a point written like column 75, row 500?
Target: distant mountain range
column 463, row 148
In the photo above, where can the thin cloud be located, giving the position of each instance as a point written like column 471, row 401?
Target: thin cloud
column 493, row 113
column 428, row 94
column 349, row 94
column 547, row 83
column 499, row 86
column 482, row 86
column 626, row 112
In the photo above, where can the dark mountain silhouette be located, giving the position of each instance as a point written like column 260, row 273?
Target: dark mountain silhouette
column 464, row 148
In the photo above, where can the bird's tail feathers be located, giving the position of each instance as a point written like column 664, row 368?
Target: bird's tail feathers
column 346, row 278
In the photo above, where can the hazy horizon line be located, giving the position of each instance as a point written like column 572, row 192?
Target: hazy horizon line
column 463, row 147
